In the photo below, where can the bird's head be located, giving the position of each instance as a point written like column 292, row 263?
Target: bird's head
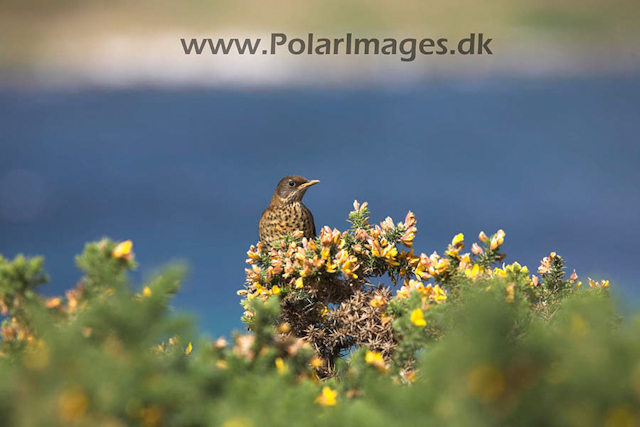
column 291, row 188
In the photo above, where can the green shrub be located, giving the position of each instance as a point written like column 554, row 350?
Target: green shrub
column 460, row 340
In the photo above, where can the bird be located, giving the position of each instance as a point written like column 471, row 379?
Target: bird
column 286, row 213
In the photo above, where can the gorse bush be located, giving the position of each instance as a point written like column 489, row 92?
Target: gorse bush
column 457, row 339
column 326, row 298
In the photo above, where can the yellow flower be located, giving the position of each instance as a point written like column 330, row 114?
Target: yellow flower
column 309, row 244
column 486, row 383
column 281, row 366
column 72, row 405
column 453, row 252
column 275, row 289
column 498, row 239
column 473, row 272
column 457, row 239
column 534, row 281
column 417, row 317
column 331, row 268
column 151, row 416
column 515, row 267
column 407, row 238
column 342, row 243
column 422, row 272
column 123, row 250
column 494, row 243
column 385, row 319
column 382, row 249
column 316, row 362
column 284, row 328
column 378, row 301
column 510, row 292
column 403, row 292
column 603, row 284
column 375, row 358
column 299, row 283
column 348, row 268
column 329, row 237
column 439, row 295
column 146, row 292
column 411, row 376
column 545, row 264
column 420, row 288
column 328, row 397
column 260, row 289
column 376, row 250
column 238, row 422
column 53, row 302
column 189, row 349
column 252, row 254
column 442, row 265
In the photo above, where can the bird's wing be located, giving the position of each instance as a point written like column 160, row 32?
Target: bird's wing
column 313, row 223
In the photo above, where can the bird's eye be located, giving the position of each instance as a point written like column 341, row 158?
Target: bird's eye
column 292, row 184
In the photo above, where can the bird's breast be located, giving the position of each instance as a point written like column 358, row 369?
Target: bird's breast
column 286, row 218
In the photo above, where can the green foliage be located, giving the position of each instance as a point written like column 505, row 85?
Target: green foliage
column 496, row 349
column 18, row 281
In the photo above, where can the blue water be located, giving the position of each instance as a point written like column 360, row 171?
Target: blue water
column 186, row 174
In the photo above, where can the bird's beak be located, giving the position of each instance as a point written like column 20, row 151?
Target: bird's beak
column 309, row 183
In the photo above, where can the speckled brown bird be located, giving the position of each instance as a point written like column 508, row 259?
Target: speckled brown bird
column 286, row 213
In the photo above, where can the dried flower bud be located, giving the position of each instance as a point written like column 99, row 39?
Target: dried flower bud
column 574, row 276
column 221, row 343
column 410, row 220
column 476, row 249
